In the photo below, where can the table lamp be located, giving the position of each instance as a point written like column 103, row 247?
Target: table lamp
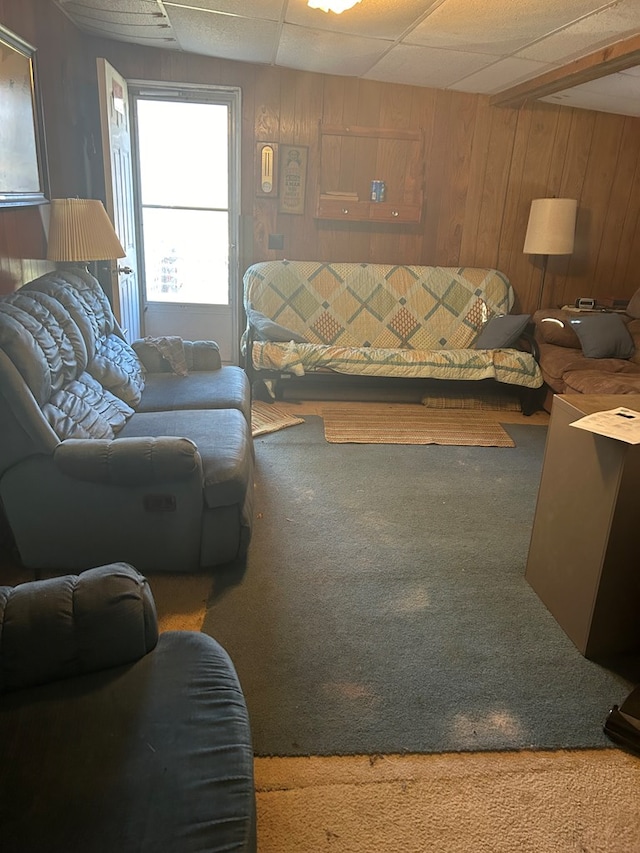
column 80, row 231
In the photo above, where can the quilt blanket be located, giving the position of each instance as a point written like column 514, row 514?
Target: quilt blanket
column 382, row 320
column 503, row 365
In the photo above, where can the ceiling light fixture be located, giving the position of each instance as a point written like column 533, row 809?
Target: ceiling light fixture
column 337, row 6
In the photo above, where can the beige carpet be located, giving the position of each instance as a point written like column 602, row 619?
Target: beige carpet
column 181, row 599
column 406, row 423
column 269, row 417
column 542, row 802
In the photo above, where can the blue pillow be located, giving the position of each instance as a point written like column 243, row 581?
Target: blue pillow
column 502, row 331
column 266, row 329
column 603, row 336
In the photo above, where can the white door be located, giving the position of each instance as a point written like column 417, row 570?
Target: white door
column 186, row 146
column 118, row 174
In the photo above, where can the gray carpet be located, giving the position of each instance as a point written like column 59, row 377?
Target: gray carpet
column 384, row 607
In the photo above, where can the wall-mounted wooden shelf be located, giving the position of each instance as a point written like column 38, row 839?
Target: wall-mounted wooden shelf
column 352, row 156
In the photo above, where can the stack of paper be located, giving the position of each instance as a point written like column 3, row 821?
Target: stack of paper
column 620, row 423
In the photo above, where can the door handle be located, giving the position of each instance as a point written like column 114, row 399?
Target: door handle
column 125, row 270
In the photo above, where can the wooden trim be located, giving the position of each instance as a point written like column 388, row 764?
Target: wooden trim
column 608, row 60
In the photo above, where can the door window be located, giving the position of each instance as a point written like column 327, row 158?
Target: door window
column 184, row 200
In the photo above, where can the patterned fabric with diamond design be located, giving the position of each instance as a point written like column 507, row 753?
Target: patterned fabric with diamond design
column 385, row 320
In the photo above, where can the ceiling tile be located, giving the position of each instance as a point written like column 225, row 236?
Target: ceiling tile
column 139, row 21
column 386, row 19
column 496, row 27
column 123, row 7
column 584, row 97
column 482, row 46
column 587, row 35
column 501, row 75
column 425, row 66
column 615, row 85
column 328, row 53
column 225, row 36
column 266, row 10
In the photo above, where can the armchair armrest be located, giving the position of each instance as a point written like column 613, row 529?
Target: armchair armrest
column 68, row 626
column 199, row 355
column 202, row 355
column 532, row 344
column 128, row 461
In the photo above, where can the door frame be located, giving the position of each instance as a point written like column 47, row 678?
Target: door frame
column 119, row 277
column 232, row 96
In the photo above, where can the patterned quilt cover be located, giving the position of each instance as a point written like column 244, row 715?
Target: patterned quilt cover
column 383, row 320
column 503, row 365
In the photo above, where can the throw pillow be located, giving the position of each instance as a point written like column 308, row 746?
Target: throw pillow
column 553, row 327
column 502, row 331
column 603, row 336
column 266, row 329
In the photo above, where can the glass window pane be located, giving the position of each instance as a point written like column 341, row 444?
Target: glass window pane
column 183, row 154
column 186, row 255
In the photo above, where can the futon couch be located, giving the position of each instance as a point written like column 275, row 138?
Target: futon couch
column 117, row 452
column 306, row 317
column 114, row 739
column 589, row 352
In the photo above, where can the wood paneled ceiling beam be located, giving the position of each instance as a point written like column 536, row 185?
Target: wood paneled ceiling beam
column 608, row 60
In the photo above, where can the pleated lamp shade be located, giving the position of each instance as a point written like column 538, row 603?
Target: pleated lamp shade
column 552, row 226
column 80, row 230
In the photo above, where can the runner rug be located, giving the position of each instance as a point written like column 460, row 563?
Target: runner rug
column 404, row 423
column 383, row 606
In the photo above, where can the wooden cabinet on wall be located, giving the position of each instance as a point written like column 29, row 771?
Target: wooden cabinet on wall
column 351, row 157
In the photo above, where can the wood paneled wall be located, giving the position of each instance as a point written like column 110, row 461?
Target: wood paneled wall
column 482, row 164
column 70, row 114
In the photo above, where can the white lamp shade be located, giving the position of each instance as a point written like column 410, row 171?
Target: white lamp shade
column 80, row 230
column 552, row 226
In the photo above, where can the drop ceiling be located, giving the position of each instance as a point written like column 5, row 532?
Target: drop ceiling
column 502, row 48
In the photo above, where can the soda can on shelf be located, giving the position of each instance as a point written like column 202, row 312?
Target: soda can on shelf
column 377, row 190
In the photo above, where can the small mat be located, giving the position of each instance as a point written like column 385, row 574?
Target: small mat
column 411, row 424
column 490, row 402
column 268, row 417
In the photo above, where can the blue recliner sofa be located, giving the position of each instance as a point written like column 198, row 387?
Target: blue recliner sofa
column 114, row 739
column 116, row 452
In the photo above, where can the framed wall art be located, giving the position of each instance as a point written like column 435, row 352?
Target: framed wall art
column 293, row 178
column 23, row 165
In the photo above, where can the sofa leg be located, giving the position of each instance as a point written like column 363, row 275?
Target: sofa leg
column 530, row 400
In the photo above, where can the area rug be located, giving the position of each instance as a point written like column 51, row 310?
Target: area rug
column 404, row 423
column 383, row 606
column 269, row 417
